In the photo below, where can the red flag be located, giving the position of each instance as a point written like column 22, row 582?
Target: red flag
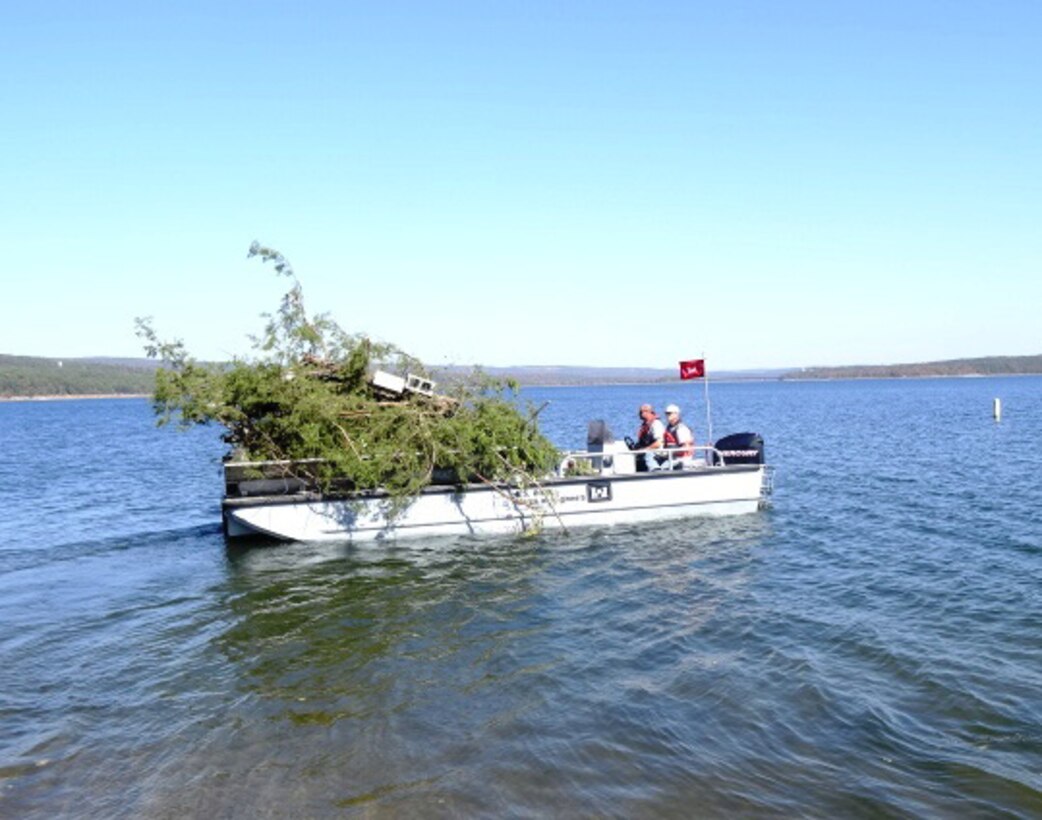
column 693, row 369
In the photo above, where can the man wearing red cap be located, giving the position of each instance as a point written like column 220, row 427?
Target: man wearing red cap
column 650, row 436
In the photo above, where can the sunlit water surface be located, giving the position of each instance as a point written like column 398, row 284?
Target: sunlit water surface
column 869, row 646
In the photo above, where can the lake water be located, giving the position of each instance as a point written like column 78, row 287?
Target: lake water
column 871, row 645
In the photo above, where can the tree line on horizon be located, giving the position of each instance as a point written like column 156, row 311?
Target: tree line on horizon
column 33, row 376
column 983, row 366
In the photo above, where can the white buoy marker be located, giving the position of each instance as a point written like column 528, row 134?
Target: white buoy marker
column 996, row 409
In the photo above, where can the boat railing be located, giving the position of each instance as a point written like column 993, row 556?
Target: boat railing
column 287, row 477
column 274, row 477
column 624, row 462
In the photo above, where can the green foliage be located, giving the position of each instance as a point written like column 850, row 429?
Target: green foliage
column 34, row 376
column 306, row 395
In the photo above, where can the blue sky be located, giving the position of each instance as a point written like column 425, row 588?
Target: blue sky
column 771, row 184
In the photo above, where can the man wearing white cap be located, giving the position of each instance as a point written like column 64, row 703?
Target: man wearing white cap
column 678, row 438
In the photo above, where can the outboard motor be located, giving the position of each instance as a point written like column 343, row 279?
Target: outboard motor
column 617, row 458
column 740, row 448
column 597, row 435
column 599, row 439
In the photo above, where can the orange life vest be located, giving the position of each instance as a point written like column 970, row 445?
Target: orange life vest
column 673, row 442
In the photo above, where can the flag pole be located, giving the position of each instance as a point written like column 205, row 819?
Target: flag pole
column 709, row 414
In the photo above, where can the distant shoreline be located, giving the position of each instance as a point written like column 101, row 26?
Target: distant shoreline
column 28, row 378
column 802, row 379
column 76, row 396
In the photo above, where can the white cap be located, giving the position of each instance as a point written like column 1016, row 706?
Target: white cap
column 672, row 408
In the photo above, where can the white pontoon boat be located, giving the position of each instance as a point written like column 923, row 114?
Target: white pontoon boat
column 603, row 485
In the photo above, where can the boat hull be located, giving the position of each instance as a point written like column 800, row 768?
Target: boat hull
column 563, row 503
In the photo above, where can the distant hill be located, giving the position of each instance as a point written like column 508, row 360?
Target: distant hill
column 569, row 375
column 36, row 376
column 33, row 376
column 985, row 366
column 116, row 361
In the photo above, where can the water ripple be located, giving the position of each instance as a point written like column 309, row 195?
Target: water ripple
column 870, row 646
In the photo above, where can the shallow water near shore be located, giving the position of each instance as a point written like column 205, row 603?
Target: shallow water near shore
column 870, row 645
